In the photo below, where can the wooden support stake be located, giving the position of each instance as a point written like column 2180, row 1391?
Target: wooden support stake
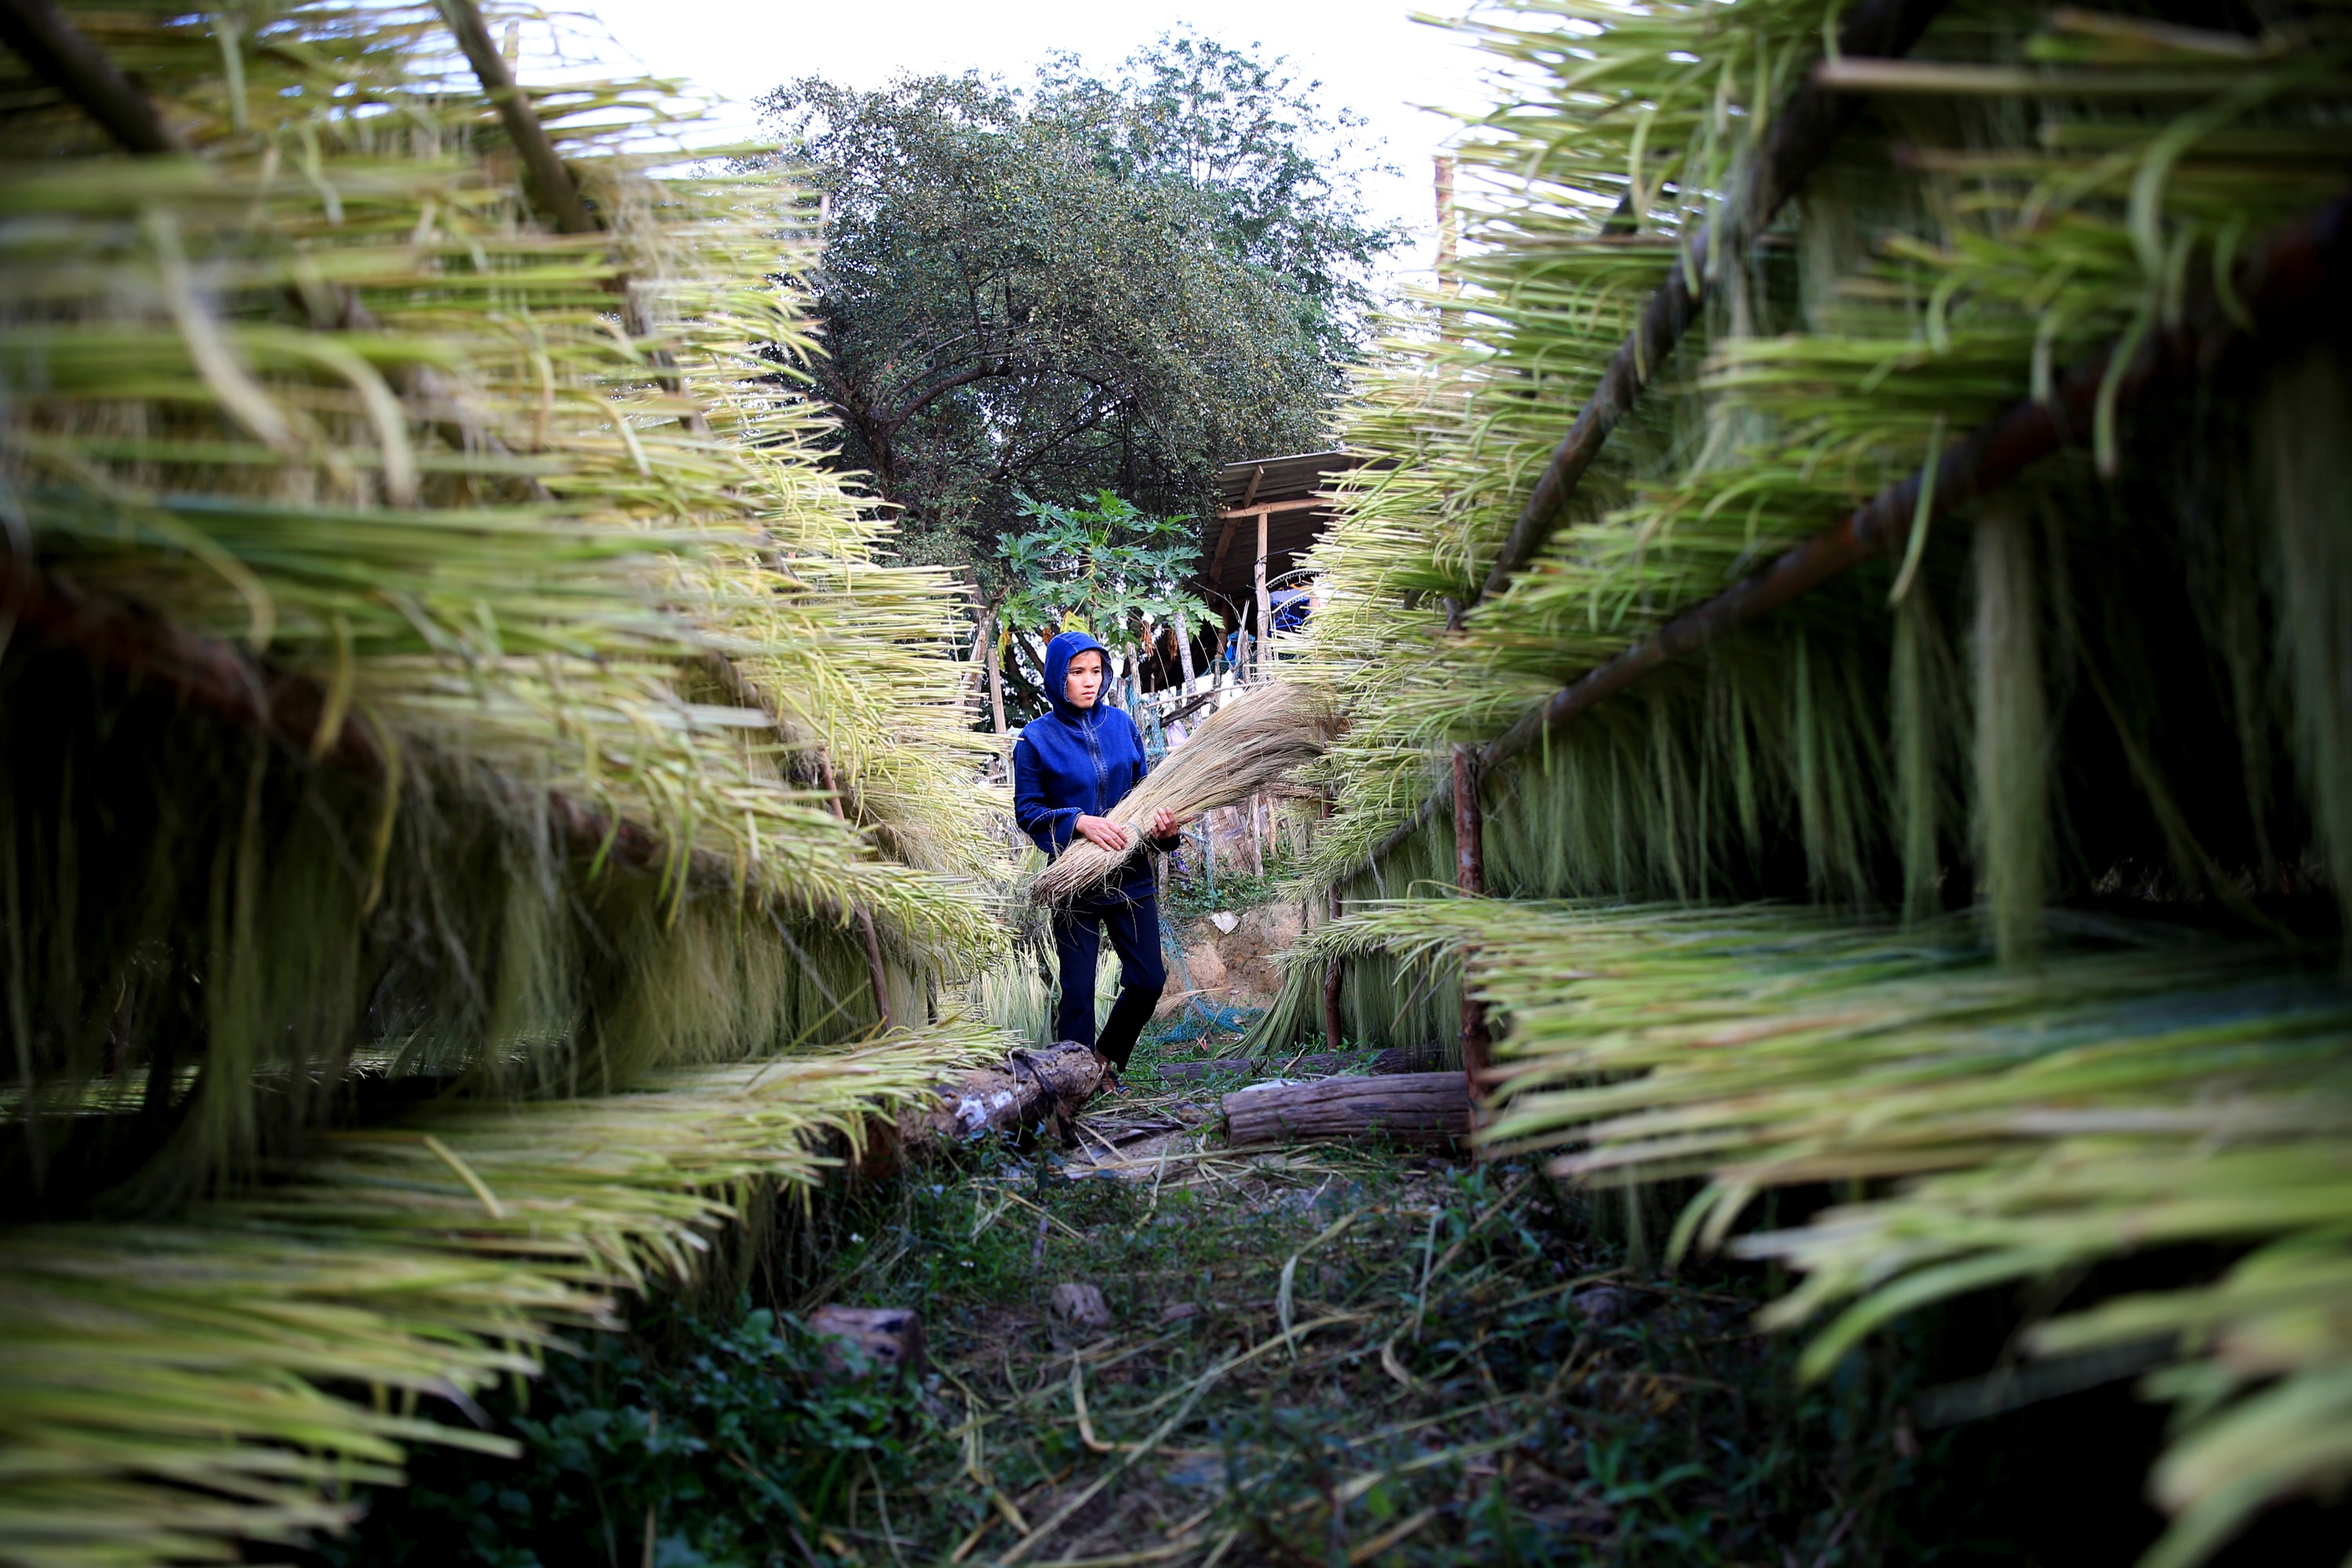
column 996, row 641
column 1333, row 972
column 1470, row 877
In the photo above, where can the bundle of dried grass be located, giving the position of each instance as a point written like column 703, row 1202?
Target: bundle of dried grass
column 1235, row 755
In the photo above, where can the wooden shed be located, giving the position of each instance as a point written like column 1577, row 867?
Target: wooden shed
column 1273, row 510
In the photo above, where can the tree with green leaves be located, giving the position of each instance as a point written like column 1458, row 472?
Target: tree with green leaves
column 1108, row 569
column 1089, row 285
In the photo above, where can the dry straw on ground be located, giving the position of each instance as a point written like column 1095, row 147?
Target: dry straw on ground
column 1239, row 752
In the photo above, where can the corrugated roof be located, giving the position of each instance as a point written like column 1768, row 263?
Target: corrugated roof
column 1258, row 482
column 1292, row 478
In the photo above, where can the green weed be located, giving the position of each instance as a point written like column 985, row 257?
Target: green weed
column 689, row 1442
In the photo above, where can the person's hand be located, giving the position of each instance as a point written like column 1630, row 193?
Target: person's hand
column 1102, row 833
column 1164, row 824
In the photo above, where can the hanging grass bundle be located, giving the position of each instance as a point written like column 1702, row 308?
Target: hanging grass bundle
column 2075, row 708
column 2143, row 1093
column 438, row 836
column 1246, row 746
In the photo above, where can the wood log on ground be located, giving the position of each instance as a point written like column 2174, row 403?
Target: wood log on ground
column 1424, row 1110
column 890, row 1339
column 1425, row 1058
column 1027, row 1089
column 1318, row 1066
column 1427, row 1055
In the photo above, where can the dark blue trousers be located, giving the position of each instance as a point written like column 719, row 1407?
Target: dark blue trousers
column 1132, row 919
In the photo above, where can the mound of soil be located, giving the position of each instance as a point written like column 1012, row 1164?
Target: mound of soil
column 1232, row 967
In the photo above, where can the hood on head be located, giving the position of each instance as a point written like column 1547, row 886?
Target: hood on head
column 1065, row 647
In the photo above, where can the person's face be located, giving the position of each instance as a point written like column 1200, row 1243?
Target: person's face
column 1084, row 683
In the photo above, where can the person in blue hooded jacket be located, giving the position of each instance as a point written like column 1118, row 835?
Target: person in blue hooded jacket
column 1069, row 769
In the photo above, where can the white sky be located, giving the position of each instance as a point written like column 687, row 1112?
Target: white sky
column 1369, row 55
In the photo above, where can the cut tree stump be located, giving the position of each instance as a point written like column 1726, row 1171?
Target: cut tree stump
column 1425, row 1109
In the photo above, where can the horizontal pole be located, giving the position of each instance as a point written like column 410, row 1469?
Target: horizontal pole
column 1806, row 127
column 213, row 677
column 2299, row 268
column 550, row 183
column 61, row 56
column 1268, row 509
column 1938, row 78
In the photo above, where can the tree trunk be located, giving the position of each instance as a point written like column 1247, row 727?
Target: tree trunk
column 1184, row 651
column 1424, row 1109
column 1470, row 877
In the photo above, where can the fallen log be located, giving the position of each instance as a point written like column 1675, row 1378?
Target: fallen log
column 1395, row 1059
column 1424, row 1109
column 1318, row 1066
column 1027, row 1089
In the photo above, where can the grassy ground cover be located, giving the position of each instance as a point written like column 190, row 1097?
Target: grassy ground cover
column 1311, row 1355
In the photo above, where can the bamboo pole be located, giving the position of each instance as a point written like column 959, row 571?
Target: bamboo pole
column 215, row 678
column 59, row 55
column 1808, row 125
column 550, row 181
column 2292, row 275
column 552, row 184
column 1449, row 232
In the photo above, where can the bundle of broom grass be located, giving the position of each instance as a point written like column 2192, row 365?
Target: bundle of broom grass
column 1240, row 751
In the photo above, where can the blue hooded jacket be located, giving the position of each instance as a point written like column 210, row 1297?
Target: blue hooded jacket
column 1077, row 762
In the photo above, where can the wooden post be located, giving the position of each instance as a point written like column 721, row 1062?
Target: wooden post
column 1332, row 972
column 996, row 651
column 983, row 646
column 1470, row 877
column 1264, row 607
column 874, row 970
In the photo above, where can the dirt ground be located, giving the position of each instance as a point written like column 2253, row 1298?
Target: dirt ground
column 1150, row 1349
